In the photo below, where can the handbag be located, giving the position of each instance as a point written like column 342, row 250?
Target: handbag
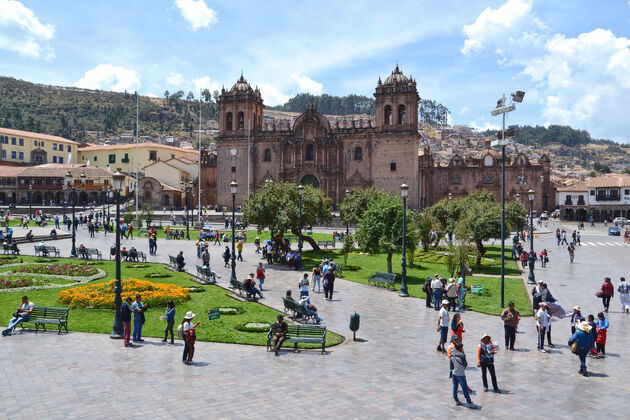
column 574, row 346
column 16, row 315
column 600, row 293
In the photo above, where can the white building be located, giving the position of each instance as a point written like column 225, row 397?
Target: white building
column 601, row 197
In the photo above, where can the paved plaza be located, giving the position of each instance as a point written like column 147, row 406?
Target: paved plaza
column 394, row 371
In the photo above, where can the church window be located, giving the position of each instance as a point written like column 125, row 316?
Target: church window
column 167, row 200
column 402, row 117
column 147, row 195
column 310, row 152
column 488, row 179
column 457, row 180
column 358, row 154
column 267, row 157
column 392, row 166
column 388, row 115
column 241, row 121
column 228, row 121
column 488, row 161
column 233, row 169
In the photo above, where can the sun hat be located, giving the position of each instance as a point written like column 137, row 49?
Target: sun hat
column 543, row 304
column 577, row 308
column 451, row 280
column 583, row 326
column 484, row 335
column 189, row 315
column 445, row 302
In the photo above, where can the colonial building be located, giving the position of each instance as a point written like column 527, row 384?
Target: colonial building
column 603, row 197
column 334, row 157
column 462, row 175
column 25, row 147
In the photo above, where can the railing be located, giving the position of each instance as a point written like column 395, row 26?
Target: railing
column 607, row 197
column 568, row 202
column 581, row 203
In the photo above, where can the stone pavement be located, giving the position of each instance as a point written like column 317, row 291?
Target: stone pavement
column 393, row 372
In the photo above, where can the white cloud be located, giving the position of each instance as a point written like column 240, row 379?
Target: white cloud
column 197, row 13
column 483, row 125
column 205, row 83
column 306, row 84
column 174, row 79
column 464, row 110
column 271, row 95
column 21, row 31
column 151, row 95
column 108, row 77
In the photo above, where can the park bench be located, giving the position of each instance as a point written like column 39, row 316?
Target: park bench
column 381, row 278
column 297, row 310
column 46, row 250
column 239, row 286
column 44, row 315
column 172, row 261
column 8, row 249
column 302, row 334
column 140, row 256
column 207, row 276
column 87, row 253
column 326, row 244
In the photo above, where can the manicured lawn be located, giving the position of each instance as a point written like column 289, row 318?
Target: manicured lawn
column 361, row 267
column 220, row 330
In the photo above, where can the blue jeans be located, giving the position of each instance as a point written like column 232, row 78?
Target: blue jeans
column 137, row 327
column 15, row 321
column 461, row 381
column 460, row 298
column 437, row 298
column 582, row 351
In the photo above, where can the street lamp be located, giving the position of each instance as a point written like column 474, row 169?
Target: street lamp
column 502, row 109
column 65, row 187
column 104, row 195
column 347, row 223
column 404, row 191
column 300, row 193
column 189, row 191
column 73, row 193
column 30, row 200
column 450, row 196
column 233, row 190
column 532, row 257
column 117, row 329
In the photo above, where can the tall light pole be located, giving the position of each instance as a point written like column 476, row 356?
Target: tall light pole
column 404, row 191
column 189, row 191
column 117, row 329
column 73, row 193
column 300, row 193
column 104, row 190
column 30, row 200
column 233, row 190
column 347, row 223
column 65, row 187
column 532, row 257
column 502, row 109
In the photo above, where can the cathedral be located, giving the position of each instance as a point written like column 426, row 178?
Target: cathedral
column 331, row 156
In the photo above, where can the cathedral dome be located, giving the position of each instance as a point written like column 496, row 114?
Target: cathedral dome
column 397, row 77
column 241, row 86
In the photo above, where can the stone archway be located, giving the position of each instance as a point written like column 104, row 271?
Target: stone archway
column 310, row 180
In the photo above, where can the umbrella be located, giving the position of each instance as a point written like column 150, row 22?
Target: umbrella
column 266, row 241
column 207, row 227
column 557, row 310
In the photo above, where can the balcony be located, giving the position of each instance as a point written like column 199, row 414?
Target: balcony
column 581, row 202
column 607, row 198
column 568, row 202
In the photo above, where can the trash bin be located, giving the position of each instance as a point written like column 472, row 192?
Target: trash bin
column 355, row 321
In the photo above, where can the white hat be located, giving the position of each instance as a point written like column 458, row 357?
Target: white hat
column 445, row 302
column 189, row 315
column 576, row 308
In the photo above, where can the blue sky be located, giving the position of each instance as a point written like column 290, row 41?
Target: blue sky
column 571, row 57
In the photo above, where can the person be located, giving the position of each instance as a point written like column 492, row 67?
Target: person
column 329, row 284
column 542, row 322
column 190, row 336
column 593, row 325
column 303, row 286
column 125, row 317
column 548, row 329
column 57, row 222
column 457, row 326
column 279, row 333
column 138, row 310
column 584, row 340
column 545, row 294
column 53, row 234
column 297, row 261
column 461, row 291
column 250, row 286
column 226, row 257
column 42, row 248
column 22, row 314
column 578, row 238
column 169, row 316
column 544, row 258
column 624, row 289
column 269, row 253
column 436, row 286
column 606, row 292
column 576, row 318
column 317, row 275
column 257, row 244
column 602, row 329
column 310, row 309
column 571, row 250
column 239, row 250
column 524, row 259
column 133, row 254
column 564, row 238
column 442, row 326
column 29, row 235
column 205, row 257
column 459, row 374
column 510, row 320
column 485, row 360
column 180, row 261
column 451, row 293
column 260, row 275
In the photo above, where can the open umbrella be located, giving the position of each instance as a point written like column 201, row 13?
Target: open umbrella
column 557, row 310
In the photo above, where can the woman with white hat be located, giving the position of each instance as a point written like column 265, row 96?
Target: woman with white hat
column 189, row 337
column 576, row 318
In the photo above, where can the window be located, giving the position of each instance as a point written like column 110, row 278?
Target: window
column 95, row 158
column 388, row 115
column 310, row 152
column 267, row 157
column 488, row 179
column 152, row 155
column 41, row 143
column 166, row 201
column 13, row 155
column 21, row 155
column 241, row 121
column 112, row 158
column 21, row 142
column 35, row 141
column 54, row 159
column 402, row 117
column 147, row 195
column 4, row 154
column 392, row 166
column 233, row 169
column 69, row 148
column 13, row 140
column 54, row 146
column 592, row 192
column 61, row 147
column 126, row 158
column 60, row 159
column 358, row 154
column 626, row 192
column 228, row 121
column 457, row 180
column 488, row 161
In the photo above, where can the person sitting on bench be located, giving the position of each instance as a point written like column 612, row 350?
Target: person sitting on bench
column 13, row 246
column 250, row 286
column 209, row 272
column 133, row 254
column 124, row 253
column 29, row 235
column 22, row 314
column 180, row 261
column 42, row 249
column 310, row 309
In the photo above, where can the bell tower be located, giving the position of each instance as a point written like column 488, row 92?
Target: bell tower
column 397, row 102
column 240, row 109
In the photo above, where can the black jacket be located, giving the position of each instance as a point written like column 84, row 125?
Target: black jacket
column 125, row 312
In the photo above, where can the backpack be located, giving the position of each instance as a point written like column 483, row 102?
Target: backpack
column 425, row 286
column 180, row 332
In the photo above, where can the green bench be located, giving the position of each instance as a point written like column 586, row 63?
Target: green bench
column 302, row 334
column 172, row 261
column 86, row 253
column 239, row 286
column 297, row 310
column 326, row 244
column 44, row 315
column 380, row 278
column 46, row 250
column 207, row 276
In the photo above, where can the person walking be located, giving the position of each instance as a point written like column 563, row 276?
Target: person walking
column 571, row 249
column 169, row 316
column 260, row 275
column 226, row 256
column 564, row 238
column 329, row 284
column 442, row 326
column 485, row 360
column 458, row 357
column 542, row 322
column 461, row 291
column 602, row 329
column 138, row 309
column 510, row 320
column 317, row 275
column 624, row 290
column 190, row 336
column 239, row 250
column 584, row 340
column 606, row 292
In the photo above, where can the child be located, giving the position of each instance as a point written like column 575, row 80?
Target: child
column 593, row 325
column 170, row 321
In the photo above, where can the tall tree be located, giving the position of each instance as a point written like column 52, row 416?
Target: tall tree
column 356, row 203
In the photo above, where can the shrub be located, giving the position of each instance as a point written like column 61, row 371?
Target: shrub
column 12, row 283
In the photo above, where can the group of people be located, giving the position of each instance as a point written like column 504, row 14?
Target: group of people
column 451, row 291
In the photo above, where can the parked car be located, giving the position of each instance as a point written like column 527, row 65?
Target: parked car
column 614, row 231
column 544, row 216
column 620, row 221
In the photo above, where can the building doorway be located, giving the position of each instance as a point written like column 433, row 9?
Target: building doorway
column 310, row 180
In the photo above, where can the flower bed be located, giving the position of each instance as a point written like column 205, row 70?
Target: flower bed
column 231, row 311
column 101, row 295
column 78, row 270
column 256, row 327
column 13, row 283
column 7, row 260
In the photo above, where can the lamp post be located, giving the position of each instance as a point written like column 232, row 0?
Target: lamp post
column 532, row 257
column 233, row 189
column 65, row 187
column 30, row 200
column 347, row 223
column 300, row 193
column 450, row 196
column 104, row 195
column 73, row 193
column 404, row 190
column 189, row 191
column 117, row 329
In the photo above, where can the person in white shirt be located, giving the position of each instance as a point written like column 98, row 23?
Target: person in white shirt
column 624, row 291
column 542, row 323
column 442, row 326
column 22, row 314
column 436, row 289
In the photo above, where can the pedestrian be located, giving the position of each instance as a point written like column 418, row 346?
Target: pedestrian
column 436, row 286
column 169, row 316
column 239, row 250
column 571, row 250
column 138, row 309
column 125, row 317
column 624, row 289
column 576, row 318
column 459, row 374
column 564, row 238
column 190, row 336
column 226, row 257
column 457, row 326
column 485, row 360
column 451, row 293
column 426, row 288
column 578, row 237
column 442, row 326
column 316, row 274
column 303, row 285
column 593, row 325
column 583, row 341
column 269, row 253
column 548, row 329
column 544, row 258
column 205, row 257
column 510, row 318
column 542, row 322
column 329, row 284
column 606, row 292
column 260, row 275
column 602, row 329
column 279, row 331
column 461, row 291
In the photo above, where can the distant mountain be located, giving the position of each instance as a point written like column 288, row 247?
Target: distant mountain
column 562, row 134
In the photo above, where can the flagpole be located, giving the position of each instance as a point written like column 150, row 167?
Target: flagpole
column 199, row 174
column 137, row 139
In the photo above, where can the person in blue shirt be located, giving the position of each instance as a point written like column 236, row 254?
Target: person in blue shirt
column 584, row 340
column 602, row 329
column 138, row 318
column 170, row 321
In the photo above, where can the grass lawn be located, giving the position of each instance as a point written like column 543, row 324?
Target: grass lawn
column 222, row 330
column 360, row 267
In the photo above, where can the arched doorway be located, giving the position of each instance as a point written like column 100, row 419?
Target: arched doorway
column 310, row 180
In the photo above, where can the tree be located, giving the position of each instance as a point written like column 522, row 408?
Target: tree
column 347, row 248
column 206, row 95
column 354, row 204
column 127, row 215
column 515, row 215
column 147, row 214
column 380, row 228
column 274, row 205
column 424, row 231
column 480, row 222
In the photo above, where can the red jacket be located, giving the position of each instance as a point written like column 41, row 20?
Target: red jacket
column 607, row 288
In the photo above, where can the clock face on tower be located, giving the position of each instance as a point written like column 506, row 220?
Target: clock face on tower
column 233, row 152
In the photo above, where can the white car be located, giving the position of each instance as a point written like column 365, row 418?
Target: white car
column 620, row 221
